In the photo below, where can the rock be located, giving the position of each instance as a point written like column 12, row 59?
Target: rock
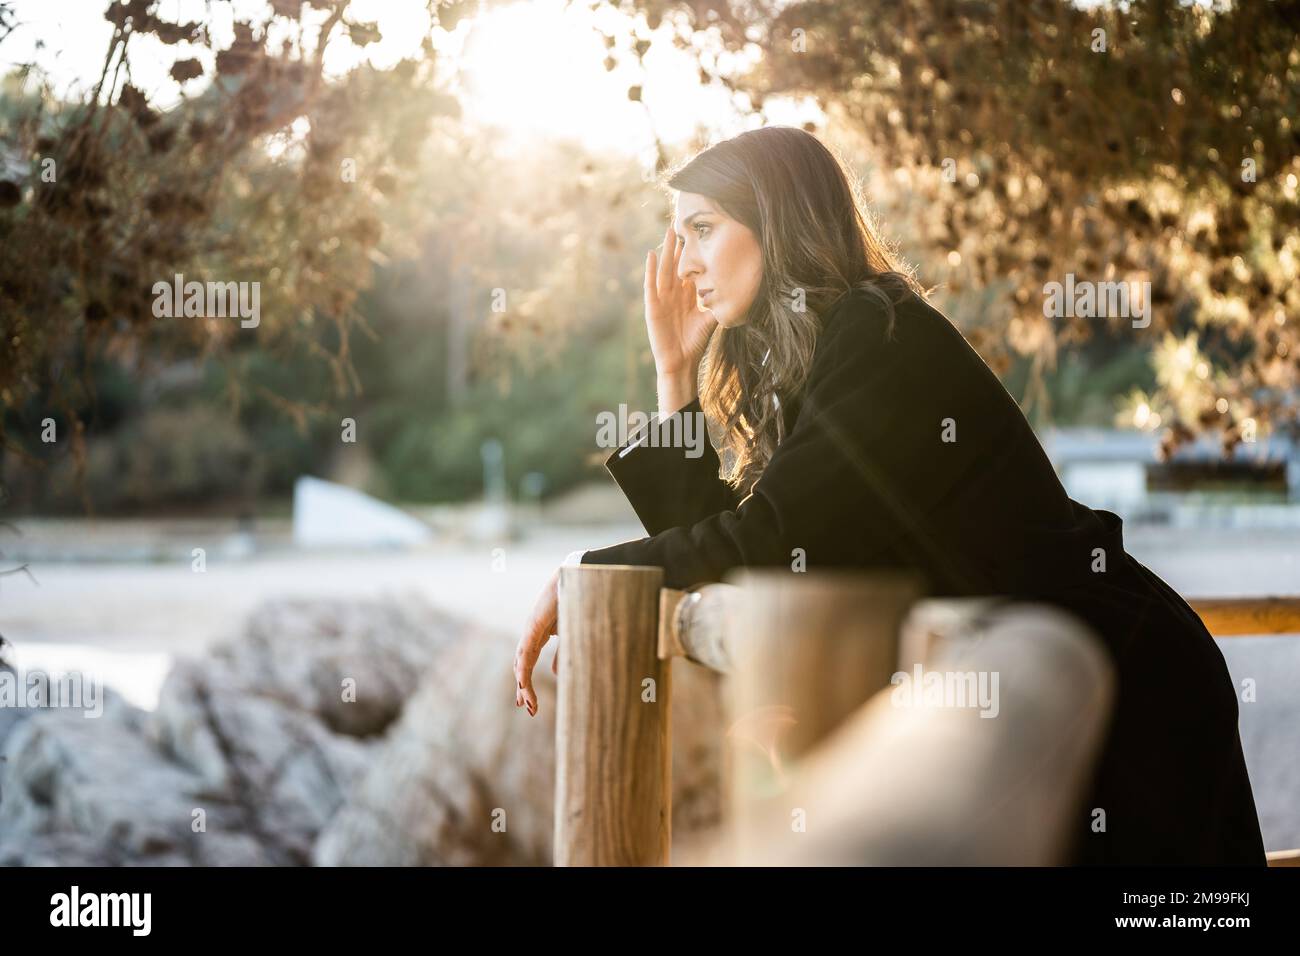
column 284, row 773
column 300, row 652
column 10, row 717
column 462, row 756
column 260, row 736
column 94, row 791
column 330, row 732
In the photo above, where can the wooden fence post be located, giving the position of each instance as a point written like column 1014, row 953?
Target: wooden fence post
column 613, row 786
column 808, row 649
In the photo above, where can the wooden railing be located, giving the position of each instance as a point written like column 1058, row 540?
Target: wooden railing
column 829, row 764
column 1238, row 617
column 1254, row 616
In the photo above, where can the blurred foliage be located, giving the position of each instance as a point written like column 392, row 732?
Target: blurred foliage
column 271, row 174
column 181, row 457
column 470, row 332
column 1150, row 141
column 452, row 293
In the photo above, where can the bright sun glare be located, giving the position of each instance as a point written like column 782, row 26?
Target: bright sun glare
column 537, row 69
column 534, row 69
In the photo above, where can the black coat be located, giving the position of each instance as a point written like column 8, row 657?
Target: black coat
column 868, row 475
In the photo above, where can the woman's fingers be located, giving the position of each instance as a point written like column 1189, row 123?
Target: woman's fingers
column 530, row 648
column 668, row 264
column 540, row 628
column 519, row 675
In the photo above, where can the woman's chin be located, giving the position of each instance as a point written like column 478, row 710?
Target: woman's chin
column 721, row 316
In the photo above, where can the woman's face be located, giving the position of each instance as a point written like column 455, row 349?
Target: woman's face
column 720, row 255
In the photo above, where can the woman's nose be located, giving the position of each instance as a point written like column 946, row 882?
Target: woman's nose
column 688, row 266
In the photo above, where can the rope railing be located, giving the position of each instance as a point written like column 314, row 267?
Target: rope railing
column 825, row 765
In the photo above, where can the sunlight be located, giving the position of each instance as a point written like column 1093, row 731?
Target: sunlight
column 538, row 70
column 530, row 70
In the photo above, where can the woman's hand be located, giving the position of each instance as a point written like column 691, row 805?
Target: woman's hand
column 541, row 625
column 679, row 329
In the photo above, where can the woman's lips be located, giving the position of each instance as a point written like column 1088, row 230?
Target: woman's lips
column 704, row 294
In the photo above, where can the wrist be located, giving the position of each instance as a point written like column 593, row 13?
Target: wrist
column 676, row 390
column 677, row 372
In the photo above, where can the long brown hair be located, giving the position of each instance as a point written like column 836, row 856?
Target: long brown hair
column 818, row 243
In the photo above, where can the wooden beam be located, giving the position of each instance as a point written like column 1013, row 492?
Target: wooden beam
column 692, row 624
column 920, row 782
column 1235, row 617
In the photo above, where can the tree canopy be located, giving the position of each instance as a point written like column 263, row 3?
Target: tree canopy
column 1006, row 144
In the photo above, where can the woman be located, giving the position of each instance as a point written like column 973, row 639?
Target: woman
column 861, row 428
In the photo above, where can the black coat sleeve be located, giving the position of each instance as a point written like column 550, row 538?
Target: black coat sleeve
column 867, row 429
column 665, row 485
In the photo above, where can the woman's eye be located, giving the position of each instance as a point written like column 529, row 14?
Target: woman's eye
column 698, row 227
